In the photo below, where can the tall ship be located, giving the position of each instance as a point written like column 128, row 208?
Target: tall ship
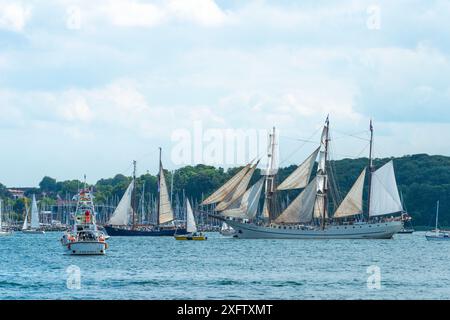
column 123, row 220
column 310, row 215
column 84, row 238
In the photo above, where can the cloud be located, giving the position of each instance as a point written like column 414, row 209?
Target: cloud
column 14, row 16
column 130, row 13
column 202, row 12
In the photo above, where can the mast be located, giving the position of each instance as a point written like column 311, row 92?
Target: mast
column 133, row 197
column 370, row 171
column 325, row 187
column 437, row 217
column 143, row 203
column 159, row 186
column 270, row 177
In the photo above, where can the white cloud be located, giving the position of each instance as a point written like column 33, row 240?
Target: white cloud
column 203, row 12
column 130, row 13
column 14, row 16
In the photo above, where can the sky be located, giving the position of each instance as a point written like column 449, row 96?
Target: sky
column 86, row 87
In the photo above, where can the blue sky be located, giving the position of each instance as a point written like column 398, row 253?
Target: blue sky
column 86, row 87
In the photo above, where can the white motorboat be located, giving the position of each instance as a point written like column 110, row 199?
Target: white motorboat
column 84, row 238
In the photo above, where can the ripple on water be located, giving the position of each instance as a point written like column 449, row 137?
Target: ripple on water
column 34, row 267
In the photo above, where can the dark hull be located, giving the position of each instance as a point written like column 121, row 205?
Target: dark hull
column 119, row 232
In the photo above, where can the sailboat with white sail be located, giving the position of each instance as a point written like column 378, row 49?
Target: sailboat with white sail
column 35, row 227
column 191, row 227
column 226, row 230
column 308, row 215
column 123, row 222
column 2, row 231
column 436, row 234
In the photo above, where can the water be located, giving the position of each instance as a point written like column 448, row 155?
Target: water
column 34, row 267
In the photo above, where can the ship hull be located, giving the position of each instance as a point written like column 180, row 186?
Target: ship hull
column 384, row 230
column 119, row 232
column 85, row 248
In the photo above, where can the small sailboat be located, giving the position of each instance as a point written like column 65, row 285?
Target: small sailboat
column 191, row 227
column 2, row 232
column 226, row 230
column 436, row 234
column 84, row 238
column 35, row 227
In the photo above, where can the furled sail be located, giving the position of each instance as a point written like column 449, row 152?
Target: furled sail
column 301, row 209
column 300, row 177
column 34, row 214
column 246, row 206
column 353, row 202
column 239, row 191
column 227, row 188
column 322, row 178
column 123, row 212
column 191, row 227
column 272, row 155
column 165, row 207
column 384, row 198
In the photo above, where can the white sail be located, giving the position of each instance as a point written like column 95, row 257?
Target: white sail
column 265, row 212
column 239, row 191
column 301, row 209
column 246, row 206
column 353, row 202
column 319, row 207
column 191, row 227
column 25, row 221
column 300, row 177
column 384, row 198
column 34, row 214
column 227, row 188
column 123, row 212
column 165, row 207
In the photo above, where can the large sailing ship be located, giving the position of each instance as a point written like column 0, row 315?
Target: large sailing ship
column 308, row 215
column 123, row 220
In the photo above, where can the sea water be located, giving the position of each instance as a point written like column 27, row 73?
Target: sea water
column 406, row 267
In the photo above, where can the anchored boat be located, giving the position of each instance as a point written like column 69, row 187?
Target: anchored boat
column 191, row 226
column 84, row 238
column 226, row 230
column 308, row 216
column 436, row 234
column 35, row 227
column 3, row 232
column 123, row 222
